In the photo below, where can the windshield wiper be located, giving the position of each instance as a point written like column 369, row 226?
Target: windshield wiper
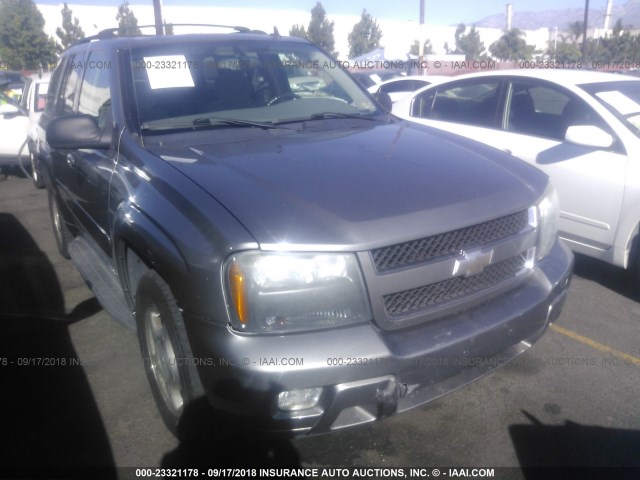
column 358, row 116
column 207, row 122
column 233, row 122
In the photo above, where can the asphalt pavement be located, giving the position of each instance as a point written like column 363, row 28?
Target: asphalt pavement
column 74, row 392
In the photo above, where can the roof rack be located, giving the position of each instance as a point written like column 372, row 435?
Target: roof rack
column 113, row 32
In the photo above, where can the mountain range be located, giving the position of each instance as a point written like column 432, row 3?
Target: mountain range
column 629, row 12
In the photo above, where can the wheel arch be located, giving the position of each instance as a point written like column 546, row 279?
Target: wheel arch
column 140, row 245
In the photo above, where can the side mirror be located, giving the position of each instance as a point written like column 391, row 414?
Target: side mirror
column 384, row 100
column 75, row 132
column 588, row 136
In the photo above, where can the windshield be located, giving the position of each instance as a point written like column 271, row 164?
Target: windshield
column 621, row 98
column 240, row 83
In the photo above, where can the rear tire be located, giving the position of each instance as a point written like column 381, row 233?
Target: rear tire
column 165, row 349
column 60, row 229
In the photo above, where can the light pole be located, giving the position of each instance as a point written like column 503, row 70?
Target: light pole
column 584, row 30
column 157, row 15
column 422, row 40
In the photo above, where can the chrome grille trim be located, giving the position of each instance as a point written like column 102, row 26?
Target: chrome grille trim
column 436, row 294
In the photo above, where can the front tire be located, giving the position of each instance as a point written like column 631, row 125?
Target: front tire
column 165, row 349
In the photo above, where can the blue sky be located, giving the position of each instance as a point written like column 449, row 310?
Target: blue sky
column 442, row 12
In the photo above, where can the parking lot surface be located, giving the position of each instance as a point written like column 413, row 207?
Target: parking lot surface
column 74, row 392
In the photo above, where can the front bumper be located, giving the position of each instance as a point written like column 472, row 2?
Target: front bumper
column 367, row 373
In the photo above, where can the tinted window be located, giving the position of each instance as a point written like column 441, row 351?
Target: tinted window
column 472, row 103
column 546, row 110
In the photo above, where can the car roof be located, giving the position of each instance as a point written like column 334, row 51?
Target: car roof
column 425, row 78
column 150, row 40
column 40, row 77
column 562, row 76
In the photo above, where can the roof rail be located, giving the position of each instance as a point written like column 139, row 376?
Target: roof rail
column 113, row 32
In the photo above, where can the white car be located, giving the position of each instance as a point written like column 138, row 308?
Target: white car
column 33, row 102
column 13, row 127
column 580, row 127
column 400, row 87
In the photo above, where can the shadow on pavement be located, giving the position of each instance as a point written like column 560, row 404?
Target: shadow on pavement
column 51, row 426
column 209, row 439
column 624, row 282
column 574, row 451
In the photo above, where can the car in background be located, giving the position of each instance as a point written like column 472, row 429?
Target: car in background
column 12, row 83
column 33, row 103
column 368, row 78
column 13, row 127
column 582, row 128
column 399, row 87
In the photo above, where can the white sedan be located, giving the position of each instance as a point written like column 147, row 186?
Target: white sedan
column 400, row 87
column 580, row 127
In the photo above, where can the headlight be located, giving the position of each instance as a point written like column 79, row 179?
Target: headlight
column 286, row 292
column 548, row 211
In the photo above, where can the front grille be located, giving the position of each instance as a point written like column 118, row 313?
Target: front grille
column 449, row 243
column 430, row 296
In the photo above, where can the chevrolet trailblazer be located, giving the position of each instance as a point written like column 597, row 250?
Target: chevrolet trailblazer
column 284, row 247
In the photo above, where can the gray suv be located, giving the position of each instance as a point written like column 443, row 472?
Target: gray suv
column 282, row 245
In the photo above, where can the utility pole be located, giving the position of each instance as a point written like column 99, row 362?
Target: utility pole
column 157, row 14
column 584, row 30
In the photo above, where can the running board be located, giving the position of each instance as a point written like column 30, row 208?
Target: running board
column 102, row 280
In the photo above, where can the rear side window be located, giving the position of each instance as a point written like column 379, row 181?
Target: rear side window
column 472, row 103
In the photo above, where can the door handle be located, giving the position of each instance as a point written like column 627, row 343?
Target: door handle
column 70, row 160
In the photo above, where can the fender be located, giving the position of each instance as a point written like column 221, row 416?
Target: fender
column 133, row 229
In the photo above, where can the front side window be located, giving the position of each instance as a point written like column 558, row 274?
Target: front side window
column 203, row 85
column 546, row 110
column 95, row 93
column 69, row 91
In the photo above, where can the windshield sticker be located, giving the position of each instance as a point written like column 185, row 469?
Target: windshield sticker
column 168, row 71
column 619, row 101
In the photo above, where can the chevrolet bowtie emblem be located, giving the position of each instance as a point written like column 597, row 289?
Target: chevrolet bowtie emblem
column 471, row 263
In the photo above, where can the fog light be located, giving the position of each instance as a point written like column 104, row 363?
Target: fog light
column 299, row 399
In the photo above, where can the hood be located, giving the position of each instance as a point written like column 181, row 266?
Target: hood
column 353, row 188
